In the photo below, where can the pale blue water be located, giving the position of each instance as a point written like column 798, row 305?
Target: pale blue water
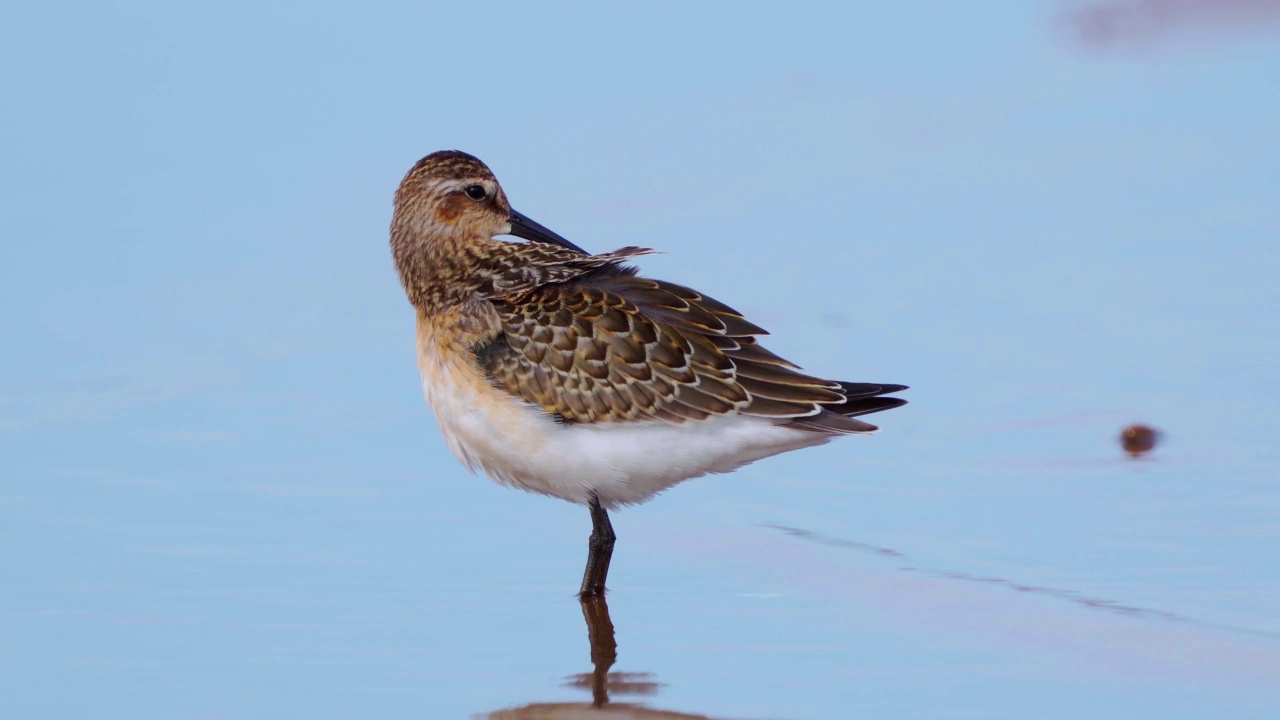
column 223, row 496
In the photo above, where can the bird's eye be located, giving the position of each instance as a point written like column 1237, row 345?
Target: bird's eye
column 476, row 192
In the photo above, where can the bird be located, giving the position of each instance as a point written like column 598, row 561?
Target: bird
column 570, row 374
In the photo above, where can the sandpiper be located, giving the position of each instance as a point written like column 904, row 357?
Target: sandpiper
column 568, row 374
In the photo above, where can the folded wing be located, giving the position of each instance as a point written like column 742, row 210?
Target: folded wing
column 610, row 346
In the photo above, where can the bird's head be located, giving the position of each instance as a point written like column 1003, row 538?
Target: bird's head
column 449, row 200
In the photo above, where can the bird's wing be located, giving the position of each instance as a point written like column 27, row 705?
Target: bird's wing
column 611, row 346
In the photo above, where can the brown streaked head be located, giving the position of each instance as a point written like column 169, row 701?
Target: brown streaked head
column 452, row 195
column 449, row 195
column 448, row 209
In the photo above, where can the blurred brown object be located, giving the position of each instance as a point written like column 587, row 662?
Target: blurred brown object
column 1138, row 439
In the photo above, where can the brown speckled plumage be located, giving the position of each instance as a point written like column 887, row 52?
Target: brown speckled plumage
column 582, row 336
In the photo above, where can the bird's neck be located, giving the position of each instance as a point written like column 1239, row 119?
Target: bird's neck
column 444, row 272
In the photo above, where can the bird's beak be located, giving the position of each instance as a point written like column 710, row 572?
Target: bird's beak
column 523, row 227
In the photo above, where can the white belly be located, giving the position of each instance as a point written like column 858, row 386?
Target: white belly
column 621, row 463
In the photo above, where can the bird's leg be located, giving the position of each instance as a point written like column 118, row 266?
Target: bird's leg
column 599, row 551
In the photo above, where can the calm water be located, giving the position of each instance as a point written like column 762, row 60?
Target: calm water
column 1021, row 569
column 221, row 495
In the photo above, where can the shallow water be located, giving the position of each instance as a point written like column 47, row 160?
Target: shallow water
column 1056, row 588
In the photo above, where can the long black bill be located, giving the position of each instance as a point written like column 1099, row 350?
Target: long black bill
column 523, row 227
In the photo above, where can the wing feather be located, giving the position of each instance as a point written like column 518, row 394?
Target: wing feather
column 607, row 345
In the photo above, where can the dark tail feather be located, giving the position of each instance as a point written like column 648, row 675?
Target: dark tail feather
column 860, row 399
column 866, row 398
column 853, row 390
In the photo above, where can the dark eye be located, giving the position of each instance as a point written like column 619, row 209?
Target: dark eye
column 476, row 192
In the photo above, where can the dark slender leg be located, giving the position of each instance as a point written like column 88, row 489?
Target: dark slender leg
column 604, row 649
column 599, row 551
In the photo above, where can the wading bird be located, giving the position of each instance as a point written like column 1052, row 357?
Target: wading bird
column 568, row 374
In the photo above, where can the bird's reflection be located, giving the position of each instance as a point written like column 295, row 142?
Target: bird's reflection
column 604, row 652
column 602, row 683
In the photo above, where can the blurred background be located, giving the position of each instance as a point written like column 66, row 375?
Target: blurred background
column 224, row 497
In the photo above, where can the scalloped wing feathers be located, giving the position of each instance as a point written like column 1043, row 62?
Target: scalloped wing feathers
column 585, row 339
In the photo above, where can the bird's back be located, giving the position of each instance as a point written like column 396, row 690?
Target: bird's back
column 607, row 345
